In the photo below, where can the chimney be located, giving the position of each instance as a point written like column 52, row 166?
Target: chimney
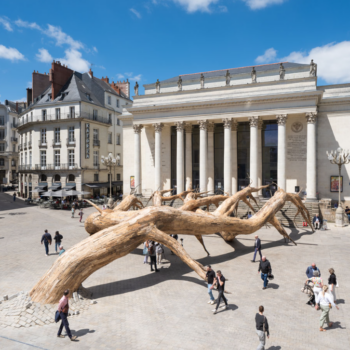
column 106, row 80
column 121, row 86
column 91, row 73
column 40, row 82
column 29, row 96
column 59, row 75
column 16, row 106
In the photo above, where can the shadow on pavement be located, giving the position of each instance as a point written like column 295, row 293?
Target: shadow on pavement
column 273, row 285
column 274, row 348
column 340, row 301
column 82, row 332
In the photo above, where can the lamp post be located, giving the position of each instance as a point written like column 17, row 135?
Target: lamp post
column 339, row 157
column 110, row 162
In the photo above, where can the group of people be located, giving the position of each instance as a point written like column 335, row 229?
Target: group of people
column 155, row 251
column 46, row 239
column 324, row 296
column 80, row 213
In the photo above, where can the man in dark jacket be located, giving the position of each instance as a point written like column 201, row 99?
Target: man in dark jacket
column 47, row 239
column 310, row 270
column 257, row 247
column 265, row 268
column 153, row 256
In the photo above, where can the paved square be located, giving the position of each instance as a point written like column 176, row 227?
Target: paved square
column 137, row 309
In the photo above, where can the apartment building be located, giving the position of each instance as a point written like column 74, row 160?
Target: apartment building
column 72, row 120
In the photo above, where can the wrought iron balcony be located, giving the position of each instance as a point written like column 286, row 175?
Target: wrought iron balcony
column 56, row 143
column 25, row 167
column 70, row 141
column 42, row 143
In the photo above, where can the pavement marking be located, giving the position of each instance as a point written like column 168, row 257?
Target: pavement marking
column 17, row 341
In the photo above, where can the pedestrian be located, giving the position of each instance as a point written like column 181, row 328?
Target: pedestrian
column 81, row 214
column 73, row 211
column 257, row 247
column 14, row 196
column 210, row 277
column 332, row 283
column 262, row 327
column 310, row 270
column 265, row 268
column 145, row 252
column 61, row 250
column 326, row 302
column 317, row 222
column 318, row 284
column 152, row 254
column 176, row 237
column 249, row 215
column 220, row 282
column 63, row 307
column 159, row 252
column 58, row 239
column 47, row 239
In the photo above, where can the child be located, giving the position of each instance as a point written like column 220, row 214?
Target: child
column 81, row 214
column 73, row 211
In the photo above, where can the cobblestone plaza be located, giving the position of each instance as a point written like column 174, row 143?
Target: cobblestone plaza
column 137, row 309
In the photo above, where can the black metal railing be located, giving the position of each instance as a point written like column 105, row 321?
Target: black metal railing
column 60, row 166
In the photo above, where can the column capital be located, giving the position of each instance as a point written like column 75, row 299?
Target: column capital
column 260, row 123
column 203, row 124
column 281, row 119
column 137, row 128
column 234, row 125
column 227, row 123
column 311, row 117
column 253, row 121
column 158, row 127
column 211, row 127
column 188, row 128
column 180, row 126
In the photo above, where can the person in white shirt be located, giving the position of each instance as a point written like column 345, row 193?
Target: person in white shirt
column 326, row 303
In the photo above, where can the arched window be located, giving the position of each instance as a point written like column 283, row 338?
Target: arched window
column 57, row 178
column 43, row 178
column 71, row 178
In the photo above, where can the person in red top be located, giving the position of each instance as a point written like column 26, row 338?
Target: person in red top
column 63, row 307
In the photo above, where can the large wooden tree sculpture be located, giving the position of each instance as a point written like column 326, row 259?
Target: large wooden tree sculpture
column 115, row 233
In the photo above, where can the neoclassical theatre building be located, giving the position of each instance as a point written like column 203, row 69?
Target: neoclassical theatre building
column 219, row 130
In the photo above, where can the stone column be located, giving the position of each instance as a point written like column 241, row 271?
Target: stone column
column 281, row 151
column 260, row 127
column 227, row 156
column 234, row 168
column 158, row 156
column 180, row 156
column 311, row 157
column 254, row 152
column 188, row 131
column 137, row 157
column 210, row 159
column 203, row 150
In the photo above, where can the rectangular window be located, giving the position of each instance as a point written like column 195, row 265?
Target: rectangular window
column 118, row 158
column 43, row 135
column 118, row 177
column 43, row 158
column 118, row 121
column 96, row 158
column 95, row 177
column 21, row 158
column 95, row 134
column 110, row 138
column 71, row 134
column 13, row 148
column 43, row 115
column 13, row 162
column 94, row 114
column 110, row 118
column 2, row 161
column 57, row 158
column 25, row 158
column 2, row 134
column 30, row 158
column 57, row 135
column 2, row 147
column 71, row 112
column 118, row 139
column 71, row 157
column 109, row 100
column 2, row 120
column 117, row 103
column 58, row 113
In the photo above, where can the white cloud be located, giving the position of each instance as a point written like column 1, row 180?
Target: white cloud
column 223, row 9
column 95, row 49
column 120, row 76
column 24, row 24
column 4, row 21
column 61, row 37
column 196, row 5
column 260, row 4
column 136, row 13
column 333, row 63
column 267, row 57
column 74, row 61
column 44, row 56
column 10, row 53
column 130, row 76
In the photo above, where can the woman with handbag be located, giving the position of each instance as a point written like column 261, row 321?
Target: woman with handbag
column 318, row 284
column 332, row 283
column 262, row 327
column 326, row 302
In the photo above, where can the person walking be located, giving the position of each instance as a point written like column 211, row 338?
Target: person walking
column 58, row 239
column 262, row 327
column 210, row 277
column 152, row 254
column 81, row 214
column 318, row 284
column 46, row 239
column 220, row 282
column 145, row 252
column 63, row 307
column 14, row 196
column 257, row 247
column 332, row 283
column 159, row 252
column 73, row 211
column 326, row 302
column 310, row 270
column 265, row 269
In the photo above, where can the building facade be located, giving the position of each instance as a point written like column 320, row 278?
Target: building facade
column 72, row 120
column 8, row 141
column 221, row 130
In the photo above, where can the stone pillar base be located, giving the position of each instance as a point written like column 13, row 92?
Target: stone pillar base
column 339, row 217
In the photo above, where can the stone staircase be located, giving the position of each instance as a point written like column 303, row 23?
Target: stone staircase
column 285, row 216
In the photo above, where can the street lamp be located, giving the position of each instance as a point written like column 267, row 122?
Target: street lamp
column 339, row 157
column 110, row 162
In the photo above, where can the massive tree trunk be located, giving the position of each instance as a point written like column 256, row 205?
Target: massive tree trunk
column 117, row 233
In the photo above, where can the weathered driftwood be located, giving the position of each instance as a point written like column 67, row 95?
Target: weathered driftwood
column 117, row 233
column 158, row 197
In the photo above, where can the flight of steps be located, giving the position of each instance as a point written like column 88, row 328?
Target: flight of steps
column 285, row 216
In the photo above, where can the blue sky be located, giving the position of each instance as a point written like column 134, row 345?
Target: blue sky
column 158, row 39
